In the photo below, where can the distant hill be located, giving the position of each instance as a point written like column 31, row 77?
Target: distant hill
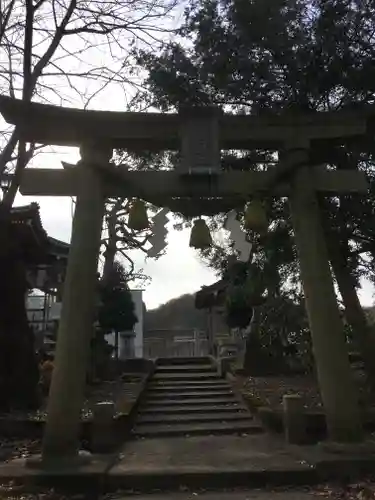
column 181, row 313
column 177, row 313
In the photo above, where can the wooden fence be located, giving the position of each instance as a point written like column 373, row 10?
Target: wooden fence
column 175, row 343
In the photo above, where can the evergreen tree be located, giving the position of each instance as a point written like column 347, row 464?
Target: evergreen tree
column 273, row 56
column 117, row 311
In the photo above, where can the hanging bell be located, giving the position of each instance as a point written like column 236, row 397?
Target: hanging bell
column 200, row 237
column 138, row 220
column 255, row 217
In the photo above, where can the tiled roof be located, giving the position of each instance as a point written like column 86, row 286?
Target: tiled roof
column 210, row 295
column 29, row 229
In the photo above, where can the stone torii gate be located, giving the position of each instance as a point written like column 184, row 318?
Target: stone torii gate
column 201, row 135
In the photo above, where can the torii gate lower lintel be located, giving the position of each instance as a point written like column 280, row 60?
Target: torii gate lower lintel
column 92, row 184
column 151, row 185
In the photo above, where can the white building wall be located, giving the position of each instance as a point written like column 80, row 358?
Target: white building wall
column 137, row 296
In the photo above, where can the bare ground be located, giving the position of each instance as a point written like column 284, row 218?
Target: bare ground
column 265, row 390
column 364, row 490
column 122, row 392
column 269, row 391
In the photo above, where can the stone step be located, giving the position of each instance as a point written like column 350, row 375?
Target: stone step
column 295, row 494
column 152, row 418
column 185, row 377
column 199, row 360
column 193, row 401
column 185, row 368
column 181, row 384
column 185, row 409
column 197, row 429
column 227, row 470
column 154, row 396
column 206, row 386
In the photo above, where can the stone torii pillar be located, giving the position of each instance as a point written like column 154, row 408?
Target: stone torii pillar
column 61, row 435
column 338, row 391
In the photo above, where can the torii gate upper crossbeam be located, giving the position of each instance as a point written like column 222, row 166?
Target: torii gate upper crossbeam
column 54, row 125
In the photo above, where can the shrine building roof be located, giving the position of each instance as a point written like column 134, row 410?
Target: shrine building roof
column 37, row 246
column 210, row 296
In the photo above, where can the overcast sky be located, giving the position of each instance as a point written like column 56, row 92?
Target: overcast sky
column 179, row 271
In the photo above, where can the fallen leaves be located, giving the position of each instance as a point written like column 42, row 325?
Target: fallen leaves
column 18, row 448
column 269, row 391
column 364, row 490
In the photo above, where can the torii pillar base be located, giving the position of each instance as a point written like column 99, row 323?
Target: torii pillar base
column 63, row 463
column 61, row 438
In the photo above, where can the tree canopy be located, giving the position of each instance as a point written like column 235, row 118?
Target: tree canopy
column 282, row 56
column 268, row 56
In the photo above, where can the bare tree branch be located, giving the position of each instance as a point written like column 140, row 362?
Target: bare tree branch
column 4, row 18
column 73, row 50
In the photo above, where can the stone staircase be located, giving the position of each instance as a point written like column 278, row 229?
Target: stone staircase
column 186, row 397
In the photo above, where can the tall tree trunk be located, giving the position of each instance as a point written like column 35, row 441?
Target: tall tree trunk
column 109, row 260
column 252, row 341
column 355, row 315
column 116, row 345
column 24, row 154
column 111, row 248
column 210, row 333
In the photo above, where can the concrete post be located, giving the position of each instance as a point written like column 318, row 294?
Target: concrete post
column 61, row 438
column 103, row 436
column 294, row 419
column 337, row 387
